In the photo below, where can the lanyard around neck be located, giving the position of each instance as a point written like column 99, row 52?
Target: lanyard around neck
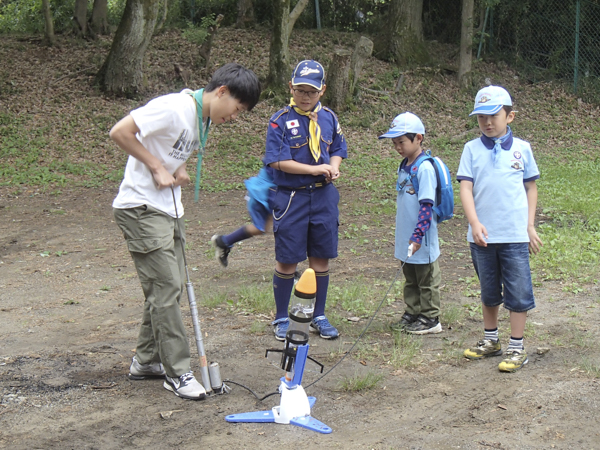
column 202, row 137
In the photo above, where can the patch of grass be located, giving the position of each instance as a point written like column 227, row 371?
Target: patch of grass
column 406, row 350
column 254, row 299
column 473, row 309
column 214, row 298
column 358, row 297
column 451, row 314
column 570, row 219
column 357, row 383
column 105, row 288
column 257, row 327
column 590, row 367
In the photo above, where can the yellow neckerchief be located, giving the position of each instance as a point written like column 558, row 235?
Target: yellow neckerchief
column 314, row 130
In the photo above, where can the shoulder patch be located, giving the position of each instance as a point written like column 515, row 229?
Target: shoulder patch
column 279, row 113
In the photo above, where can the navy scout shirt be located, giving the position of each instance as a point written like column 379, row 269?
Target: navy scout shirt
column 287, row 138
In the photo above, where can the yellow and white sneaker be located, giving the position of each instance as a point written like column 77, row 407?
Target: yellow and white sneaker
column 483, row 349
column 515, row 359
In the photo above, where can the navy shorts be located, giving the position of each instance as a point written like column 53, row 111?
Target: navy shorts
column 305, row 223
column 504, row 275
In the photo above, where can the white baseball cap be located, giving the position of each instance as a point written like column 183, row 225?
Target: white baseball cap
column 403, row 124
column 490, row 100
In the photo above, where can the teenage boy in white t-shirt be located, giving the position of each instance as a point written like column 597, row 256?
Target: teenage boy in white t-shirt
column 159, row 138
column 497, row 174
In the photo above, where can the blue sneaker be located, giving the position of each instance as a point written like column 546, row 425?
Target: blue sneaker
column 322, row 326
column 281, row 327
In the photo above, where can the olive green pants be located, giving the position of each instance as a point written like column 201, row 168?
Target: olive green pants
column 422, row 289
column 155, row 246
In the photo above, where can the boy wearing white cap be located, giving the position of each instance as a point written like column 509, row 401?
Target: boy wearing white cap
column 416, row 226
column 497, row 174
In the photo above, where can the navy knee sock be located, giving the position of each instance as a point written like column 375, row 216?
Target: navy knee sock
column 282, row 290
column 322, row 287
column 238, row 235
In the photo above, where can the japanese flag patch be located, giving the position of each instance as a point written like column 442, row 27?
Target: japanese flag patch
column 292, row 124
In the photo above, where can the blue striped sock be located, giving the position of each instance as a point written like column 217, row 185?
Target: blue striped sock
column 492, row 335
column 515, row 344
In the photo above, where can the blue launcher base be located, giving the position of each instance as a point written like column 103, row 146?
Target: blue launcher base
column 307, row 422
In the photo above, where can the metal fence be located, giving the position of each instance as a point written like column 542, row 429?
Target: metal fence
column 549, row 39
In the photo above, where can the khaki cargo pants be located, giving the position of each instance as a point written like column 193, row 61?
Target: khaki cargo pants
column 155, row 246
column 422, row 289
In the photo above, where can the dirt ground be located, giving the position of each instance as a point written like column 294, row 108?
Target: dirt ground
column 69, row 320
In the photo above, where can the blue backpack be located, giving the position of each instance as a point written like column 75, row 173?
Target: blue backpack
column 444, row 195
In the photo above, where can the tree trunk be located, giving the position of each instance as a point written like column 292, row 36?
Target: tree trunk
column 362, row 50
column 245, row 14
column 401, row 39
column 163, row 19
column 278, row 52
column 466, row 44
column 122, row 72
column 99, row 22
column 80, row 18
column 206, row 46
column 296, row 12
column 338, row 80
column 49, row 23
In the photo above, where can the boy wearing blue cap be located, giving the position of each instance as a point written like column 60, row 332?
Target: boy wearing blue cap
column 416, row 228
column 497, row 174
column 159, row 138
column 304, row 149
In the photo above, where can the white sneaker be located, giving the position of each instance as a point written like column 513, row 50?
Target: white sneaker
column 139, row 371
column 185, row 386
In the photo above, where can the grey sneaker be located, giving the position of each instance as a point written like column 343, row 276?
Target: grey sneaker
column 185, row 386
column 221, row 250
column 406, row 320
column 139, row 371
column 424, row 325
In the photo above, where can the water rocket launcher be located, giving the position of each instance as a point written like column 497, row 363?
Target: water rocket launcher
column 295, row 406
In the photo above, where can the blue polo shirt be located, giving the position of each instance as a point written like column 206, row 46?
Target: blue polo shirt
column 498, row 189
column 287, row 138
column 407, row 212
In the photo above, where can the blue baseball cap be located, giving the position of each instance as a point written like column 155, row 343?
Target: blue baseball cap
column 403, row 124
column 309, row 72
column 490, row 100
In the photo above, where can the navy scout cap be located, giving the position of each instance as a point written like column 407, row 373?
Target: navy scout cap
column 309, row 72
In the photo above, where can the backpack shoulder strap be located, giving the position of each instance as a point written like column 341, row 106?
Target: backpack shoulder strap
column 417, row 164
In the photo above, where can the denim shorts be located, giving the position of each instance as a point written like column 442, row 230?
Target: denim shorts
column 504, row 275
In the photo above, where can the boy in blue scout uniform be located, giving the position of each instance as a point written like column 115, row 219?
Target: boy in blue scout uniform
column 304, row 149
column 416, row 225
column 497, row 174
column 159, row 138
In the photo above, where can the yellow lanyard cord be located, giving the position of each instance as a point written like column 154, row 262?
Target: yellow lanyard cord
column 314, row 130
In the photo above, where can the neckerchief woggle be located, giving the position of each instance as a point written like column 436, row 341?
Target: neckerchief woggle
column 314, row 129
column 202, row 137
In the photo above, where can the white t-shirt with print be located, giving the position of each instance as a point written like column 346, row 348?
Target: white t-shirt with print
column 169, row 131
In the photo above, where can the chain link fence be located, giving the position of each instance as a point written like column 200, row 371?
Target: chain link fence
column 549, row 40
